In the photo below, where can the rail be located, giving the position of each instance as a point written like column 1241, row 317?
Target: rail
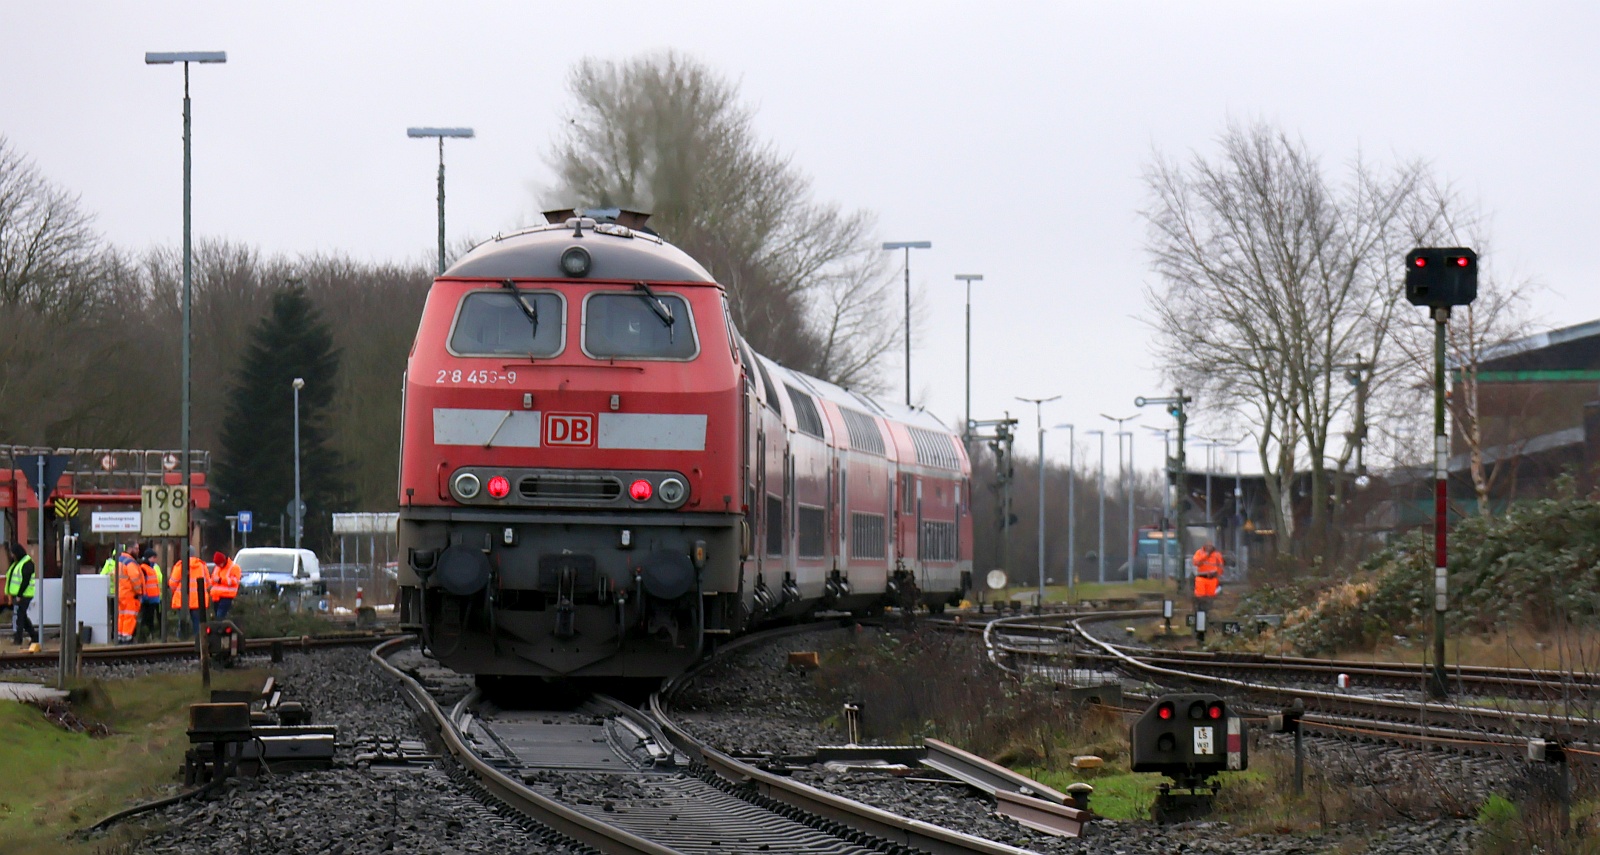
column 1332, row 712
column 503, row 787
column 863, row 818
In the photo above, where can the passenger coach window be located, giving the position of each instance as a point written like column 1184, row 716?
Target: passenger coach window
column 638, row 325
column 491, row 323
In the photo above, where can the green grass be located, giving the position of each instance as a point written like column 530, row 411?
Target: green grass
column 1117, row 794
column 58, row 782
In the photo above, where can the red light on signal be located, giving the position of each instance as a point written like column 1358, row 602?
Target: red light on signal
column 1164, row 712
column 499, row 487
column 1420, row 261
column 640, row 490
column 1214, row 711
column 1462, row 261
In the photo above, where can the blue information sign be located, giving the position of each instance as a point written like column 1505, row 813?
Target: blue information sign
column 247, row 521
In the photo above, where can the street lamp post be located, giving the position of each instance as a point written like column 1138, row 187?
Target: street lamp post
column 1133, row 540
column 172, row 58
column 909, row 245
column 1100, row 487
column 1127, row 488
column 1072, row 512
column 1038, row 405
column 441, row 133
column 298, row 514
column 966, row 424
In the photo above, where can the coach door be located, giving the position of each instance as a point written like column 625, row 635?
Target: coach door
column 842, row 517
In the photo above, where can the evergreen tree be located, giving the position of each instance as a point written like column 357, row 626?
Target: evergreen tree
column 256, row 469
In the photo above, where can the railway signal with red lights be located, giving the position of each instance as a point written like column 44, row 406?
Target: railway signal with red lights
column 1207, row 739
column 1440, row 278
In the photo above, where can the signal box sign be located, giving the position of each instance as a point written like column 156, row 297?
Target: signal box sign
column 569, row 429
column 163, row 511
column 114, row 522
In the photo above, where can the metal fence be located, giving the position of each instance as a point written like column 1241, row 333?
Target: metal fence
column 366, row 560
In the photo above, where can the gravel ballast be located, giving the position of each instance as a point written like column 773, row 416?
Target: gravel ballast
column 354, row 807
column 755, row 705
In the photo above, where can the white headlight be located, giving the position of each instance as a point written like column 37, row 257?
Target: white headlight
column 575, row 261
column 672, row 491
column 468, row 485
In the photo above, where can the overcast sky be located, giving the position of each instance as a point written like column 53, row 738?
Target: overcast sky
column 1011, row 135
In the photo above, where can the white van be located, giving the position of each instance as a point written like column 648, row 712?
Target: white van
column 286, row 568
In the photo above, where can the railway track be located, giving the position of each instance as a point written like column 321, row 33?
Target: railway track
column 623, row 780
column 181, row 649
column 1062, row 648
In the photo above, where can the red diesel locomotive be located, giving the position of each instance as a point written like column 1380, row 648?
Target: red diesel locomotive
column 597, row 473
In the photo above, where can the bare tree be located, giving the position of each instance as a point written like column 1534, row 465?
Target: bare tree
column 49, row 250
column 665, row 134
column 1274, row 279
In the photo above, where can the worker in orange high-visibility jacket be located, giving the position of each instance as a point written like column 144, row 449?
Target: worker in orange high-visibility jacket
column 1207, row 575
column 150, row 598
column 195, row 601
column 224, row 585
column 130, row 588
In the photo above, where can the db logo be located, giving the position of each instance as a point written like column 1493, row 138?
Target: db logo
column 568, row 429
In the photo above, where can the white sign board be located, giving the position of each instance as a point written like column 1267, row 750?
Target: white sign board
column 114, row 522
column 164, row 511
column 1205, row 740
column 93, row 608
column 366, row 523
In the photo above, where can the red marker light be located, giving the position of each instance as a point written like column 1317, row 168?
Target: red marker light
column 1462, row 261
column 1215, row 711
column 1420, row 261
column 1164, row 712
column 640, row 490
column 499, row 487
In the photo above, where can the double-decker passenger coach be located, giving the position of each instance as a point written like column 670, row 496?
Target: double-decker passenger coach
column 597, row 473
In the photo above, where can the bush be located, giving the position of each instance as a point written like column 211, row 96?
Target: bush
column 266, row 616
column 1537, row 565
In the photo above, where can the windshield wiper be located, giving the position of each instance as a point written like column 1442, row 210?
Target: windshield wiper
column 656, row 305
column 531, row 312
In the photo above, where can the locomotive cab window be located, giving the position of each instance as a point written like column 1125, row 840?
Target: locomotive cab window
column 490, row 323
column 640, row 324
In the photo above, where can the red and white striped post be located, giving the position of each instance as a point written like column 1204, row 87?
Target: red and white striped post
column 1441, row 520
column 359, row 593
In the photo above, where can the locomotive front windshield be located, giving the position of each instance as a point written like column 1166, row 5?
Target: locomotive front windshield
column 490, row 323
column 638, row 325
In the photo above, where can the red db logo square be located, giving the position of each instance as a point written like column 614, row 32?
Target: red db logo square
column 569, row 429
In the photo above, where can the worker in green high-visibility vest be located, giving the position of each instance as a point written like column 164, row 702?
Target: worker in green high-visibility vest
column 20, row 578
